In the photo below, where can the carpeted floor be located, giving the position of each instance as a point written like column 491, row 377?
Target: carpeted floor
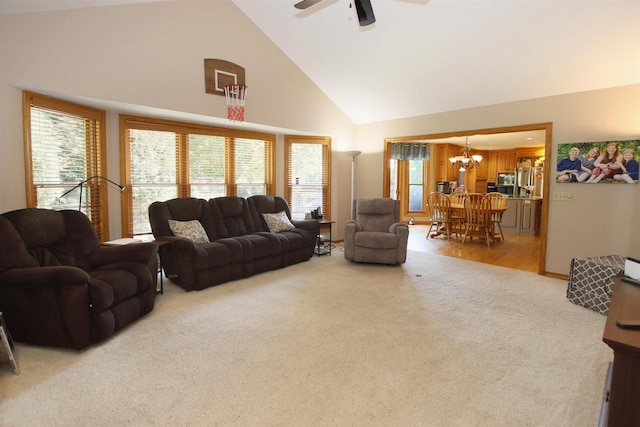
column 437, row 341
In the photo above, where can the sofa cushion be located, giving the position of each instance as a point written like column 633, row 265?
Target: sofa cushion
column 278, row 222
column 43, row 233
column 13, row 252
column 376, row 240
column 110, row 287
column 231, row 216
column 192, row 230
column 375, row 214
column 181, row 209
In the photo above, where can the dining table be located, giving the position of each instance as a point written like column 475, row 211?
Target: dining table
column 457, row 210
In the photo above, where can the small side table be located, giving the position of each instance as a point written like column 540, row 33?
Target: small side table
column 323, row 238
column 161, row 243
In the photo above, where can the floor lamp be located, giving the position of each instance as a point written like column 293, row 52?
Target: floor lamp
column 82, row 183
column 353, row 155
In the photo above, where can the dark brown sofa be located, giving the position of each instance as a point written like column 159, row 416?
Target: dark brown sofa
column 238, row 242
column 60, row 287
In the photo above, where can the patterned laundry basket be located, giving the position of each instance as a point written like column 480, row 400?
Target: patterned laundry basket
column 591, row 281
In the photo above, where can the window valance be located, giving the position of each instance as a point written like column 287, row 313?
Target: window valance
column 409, row 151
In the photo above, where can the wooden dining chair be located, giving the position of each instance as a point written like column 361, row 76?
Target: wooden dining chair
column 497, row 200
column 457, row 214
column 440, row 212
column 477, row 211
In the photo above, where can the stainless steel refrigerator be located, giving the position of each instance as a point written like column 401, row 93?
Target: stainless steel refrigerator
column 528, row 181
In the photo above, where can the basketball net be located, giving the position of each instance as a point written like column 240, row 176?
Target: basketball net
column 236, row 97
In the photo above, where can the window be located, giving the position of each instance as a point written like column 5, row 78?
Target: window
column 165, row 159
column 65, row 146
column 416, row 185
column 393, row 179
column 308, row 175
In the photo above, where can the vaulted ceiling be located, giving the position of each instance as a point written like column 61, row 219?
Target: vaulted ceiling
column 429, row 56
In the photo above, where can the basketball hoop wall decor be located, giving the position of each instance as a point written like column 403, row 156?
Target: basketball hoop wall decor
column 227, row 79
column 236, row 98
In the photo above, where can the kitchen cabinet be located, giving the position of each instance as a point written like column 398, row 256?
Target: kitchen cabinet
column 492, row 166
column 444, row 170
column 529, row 152
column 522, row 216
column 500, row 161
column 483, row 167
column 530, row 217
column 470, row 181
column 482, row 172
column 511, row 217
column 506, row 160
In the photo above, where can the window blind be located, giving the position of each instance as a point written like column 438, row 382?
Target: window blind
column 308, row 176
column 153, row 173
column 252, row 163
column 64, row 143
column 167, row 159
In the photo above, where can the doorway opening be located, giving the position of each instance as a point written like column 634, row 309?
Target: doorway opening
column 503, row 139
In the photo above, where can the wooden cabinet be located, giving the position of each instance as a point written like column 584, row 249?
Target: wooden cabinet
column 470, row 181
column 529, row 152
column 441, row 162
column 522, row 217
column 530, row 217
column 492, row 166
column 506, row 160
column 482, row 171
column 500, row 161
column 511, row 217
column 444, row 170
column 493, row 162
column 622, row 393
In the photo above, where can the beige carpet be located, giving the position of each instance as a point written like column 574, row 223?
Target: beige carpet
column 436, row 342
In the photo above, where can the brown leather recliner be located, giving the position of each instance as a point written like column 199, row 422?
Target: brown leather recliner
column 59, row 287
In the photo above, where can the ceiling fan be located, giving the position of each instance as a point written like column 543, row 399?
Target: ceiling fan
column 363, row 7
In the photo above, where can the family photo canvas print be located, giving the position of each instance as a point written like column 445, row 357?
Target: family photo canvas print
column 598, row 162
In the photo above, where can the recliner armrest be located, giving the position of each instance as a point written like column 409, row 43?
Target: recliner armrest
column 352, row 226
column 179, row 242
column 306, row 224
column 398, row 227
column 137, row 252
column 44, row 276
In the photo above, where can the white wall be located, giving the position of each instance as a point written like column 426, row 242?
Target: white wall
column 151, row 55
column 600, row 220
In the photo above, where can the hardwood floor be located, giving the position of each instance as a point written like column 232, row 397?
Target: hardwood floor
column 518, row 252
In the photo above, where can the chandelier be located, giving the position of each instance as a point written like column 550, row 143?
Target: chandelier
column 466, row 160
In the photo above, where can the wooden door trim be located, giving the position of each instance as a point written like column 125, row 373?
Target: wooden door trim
column 547, row 127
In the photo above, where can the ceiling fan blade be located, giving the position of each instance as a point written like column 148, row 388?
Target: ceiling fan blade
column 365, row 12
column 305, row 4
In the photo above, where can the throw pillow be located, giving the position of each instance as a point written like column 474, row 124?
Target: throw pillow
column 278, row 222
column 192, row 230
